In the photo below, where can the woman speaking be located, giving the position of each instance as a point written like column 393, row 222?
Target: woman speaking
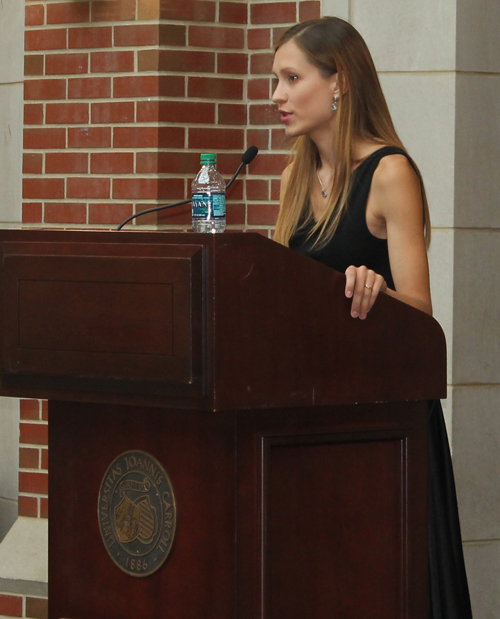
column 353, row 199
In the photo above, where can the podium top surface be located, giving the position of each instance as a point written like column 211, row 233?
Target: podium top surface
column 211, row 322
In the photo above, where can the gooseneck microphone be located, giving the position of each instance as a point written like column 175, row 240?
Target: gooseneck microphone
column 247, row 157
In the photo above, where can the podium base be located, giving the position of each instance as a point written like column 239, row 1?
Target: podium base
column 293, row 513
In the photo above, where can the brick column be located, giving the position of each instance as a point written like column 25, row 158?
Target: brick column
column 33, row 460
column 87, row 93
column 122, row 95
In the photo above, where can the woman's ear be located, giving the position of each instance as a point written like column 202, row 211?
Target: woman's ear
column 338, row 84
column 334, row 84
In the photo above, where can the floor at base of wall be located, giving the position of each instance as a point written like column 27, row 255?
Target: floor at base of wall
column 23, row 570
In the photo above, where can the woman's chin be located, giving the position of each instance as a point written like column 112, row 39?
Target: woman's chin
column 292, row 132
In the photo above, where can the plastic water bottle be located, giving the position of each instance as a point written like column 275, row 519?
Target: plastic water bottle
column 208, row 192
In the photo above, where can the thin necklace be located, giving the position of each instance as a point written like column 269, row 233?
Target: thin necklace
column 323, row 190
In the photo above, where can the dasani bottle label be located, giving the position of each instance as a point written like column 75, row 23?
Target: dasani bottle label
column 208, row 205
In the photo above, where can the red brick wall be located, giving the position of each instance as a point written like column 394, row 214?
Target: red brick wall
column 33, row 459
column 267, row 21
column 19, row 605
column 121, row 96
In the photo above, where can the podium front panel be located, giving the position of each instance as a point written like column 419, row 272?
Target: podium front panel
column 104, row 319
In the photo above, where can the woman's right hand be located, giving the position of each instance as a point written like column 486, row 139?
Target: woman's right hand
column 363, row 285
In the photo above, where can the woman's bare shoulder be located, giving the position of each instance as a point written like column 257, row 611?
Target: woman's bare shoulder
column 285, row 175
column 285, row 178
column 395, row 168
column 396, row 190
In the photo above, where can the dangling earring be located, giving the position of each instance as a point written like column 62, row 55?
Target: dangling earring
column 334, row 104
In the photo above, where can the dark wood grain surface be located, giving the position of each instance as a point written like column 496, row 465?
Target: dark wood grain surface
column 213, row 322
column 317, row 513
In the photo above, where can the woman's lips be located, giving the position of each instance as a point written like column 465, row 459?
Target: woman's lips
column 285, row 116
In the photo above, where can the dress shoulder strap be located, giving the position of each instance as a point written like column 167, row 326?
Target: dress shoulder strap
column 377, row 155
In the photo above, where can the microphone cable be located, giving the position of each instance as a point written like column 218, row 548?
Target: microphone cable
column 247, row 157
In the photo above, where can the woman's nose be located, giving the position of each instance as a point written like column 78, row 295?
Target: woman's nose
column 277, row 95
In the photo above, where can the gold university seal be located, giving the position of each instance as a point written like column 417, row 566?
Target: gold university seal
column 137, row 513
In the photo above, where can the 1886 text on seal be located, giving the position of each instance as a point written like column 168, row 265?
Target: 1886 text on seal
column 137, row 513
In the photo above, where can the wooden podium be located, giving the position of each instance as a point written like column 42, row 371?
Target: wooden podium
column 294, row 437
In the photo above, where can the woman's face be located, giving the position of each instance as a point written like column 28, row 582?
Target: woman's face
column 304, row 97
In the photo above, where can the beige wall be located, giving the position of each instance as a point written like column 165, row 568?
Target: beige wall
column 11, row 119
column 9, row 461
column 11, row 107
column 476, row 332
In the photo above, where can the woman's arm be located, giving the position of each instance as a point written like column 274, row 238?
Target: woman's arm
column 395, row 201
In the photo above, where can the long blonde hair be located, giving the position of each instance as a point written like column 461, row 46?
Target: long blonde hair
column 334, row 46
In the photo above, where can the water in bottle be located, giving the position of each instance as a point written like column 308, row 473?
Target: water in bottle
column 208, row 191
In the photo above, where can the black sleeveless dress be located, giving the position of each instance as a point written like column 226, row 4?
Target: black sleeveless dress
column 353, row 244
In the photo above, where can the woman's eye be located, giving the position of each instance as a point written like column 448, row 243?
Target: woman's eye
column 292, row 78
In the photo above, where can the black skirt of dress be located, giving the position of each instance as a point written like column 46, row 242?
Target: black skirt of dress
column 449, row 591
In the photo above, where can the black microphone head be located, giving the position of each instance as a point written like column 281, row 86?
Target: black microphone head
column 249, row 155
